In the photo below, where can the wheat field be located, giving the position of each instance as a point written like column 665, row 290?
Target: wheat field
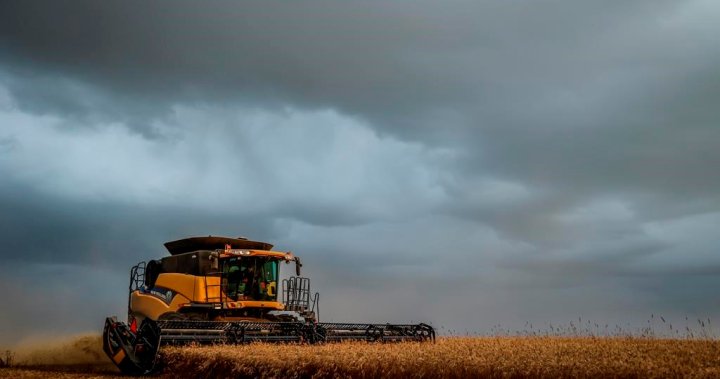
column 471, row 357
column 450, row 357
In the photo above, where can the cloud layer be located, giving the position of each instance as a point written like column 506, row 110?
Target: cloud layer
column 462, row 163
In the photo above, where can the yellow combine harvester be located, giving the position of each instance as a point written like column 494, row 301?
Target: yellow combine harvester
column 226, row 290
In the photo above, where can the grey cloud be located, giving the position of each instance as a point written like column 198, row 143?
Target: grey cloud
column 510, row 161
column 41, row 229
column 383, row 61
column 519, row 88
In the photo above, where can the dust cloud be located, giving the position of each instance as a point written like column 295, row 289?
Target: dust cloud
column 85, row 349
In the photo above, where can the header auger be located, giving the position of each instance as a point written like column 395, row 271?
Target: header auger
column 214, row 290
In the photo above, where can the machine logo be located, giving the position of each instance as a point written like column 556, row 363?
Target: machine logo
column 163, row 294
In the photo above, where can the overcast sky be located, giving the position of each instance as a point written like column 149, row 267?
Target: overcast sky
column 465, row 164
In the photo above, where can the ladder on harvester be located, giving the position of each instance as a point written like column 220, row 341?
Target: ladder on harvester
column 297, row 297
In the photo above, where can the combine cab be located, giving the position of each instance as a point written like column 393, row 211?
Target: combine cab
column 226, row 290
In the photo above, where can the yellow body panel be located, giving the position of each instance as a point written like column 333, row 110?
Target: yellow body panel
column 182, row 284
column 152, row 303
column 207, row 289
column 184, row 289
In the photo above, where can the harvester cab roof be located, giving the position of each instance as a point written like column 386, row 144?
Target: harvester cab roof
column 186, row 245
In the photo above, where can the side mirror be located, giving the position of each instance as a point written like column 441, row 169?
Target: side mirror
column 297, row 266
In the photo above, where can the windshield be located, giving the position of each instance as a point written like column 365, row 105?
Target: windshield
column 250, row 278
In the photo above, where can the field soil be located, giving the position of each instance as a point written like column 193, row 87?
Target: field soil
column 471, row 357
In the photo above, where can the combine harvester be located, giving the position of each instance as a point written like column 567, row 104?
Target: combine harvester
column 218, row 290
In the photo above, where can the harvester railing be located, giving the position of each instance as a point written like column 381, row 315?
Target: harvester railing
column 137, row 276
column 137, row 280
column 316, row 306
column 296, row 296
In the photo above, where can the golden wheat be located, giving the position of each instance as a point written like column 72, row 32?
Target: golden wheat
column 479, row 357
column 450, row 357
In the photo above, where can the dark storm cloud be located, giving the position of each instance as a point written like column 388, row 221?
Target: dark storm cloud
column 47, row 229
column 626, row 90
column 385, row 60
column 528, row 156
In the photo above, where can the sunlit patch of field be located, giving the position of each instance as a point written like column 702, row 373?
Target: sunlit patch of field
column 489, row 357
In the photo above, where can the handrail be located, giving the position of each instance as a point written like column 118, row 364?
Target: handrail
column 316, row 306
column 296, row 295
column 137, row 277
